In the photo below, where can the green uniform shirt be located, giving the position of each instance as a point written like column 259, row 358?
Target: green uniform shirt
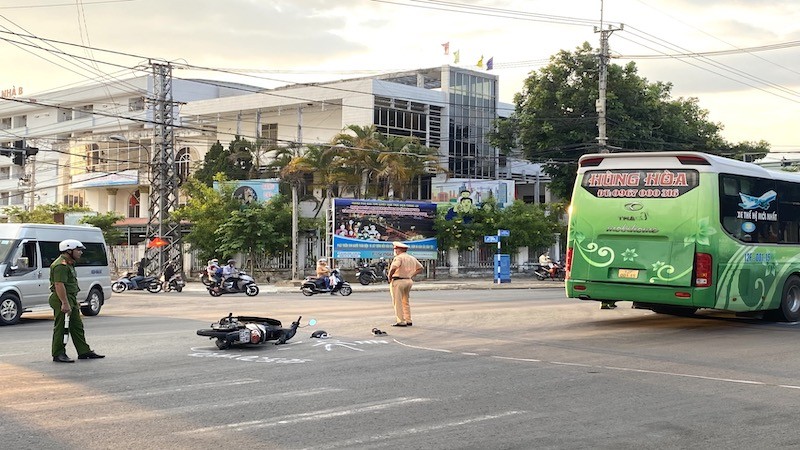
column 63, row 272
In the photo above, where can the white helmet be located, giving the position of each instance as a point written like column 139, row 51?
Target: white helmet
column 70, row 244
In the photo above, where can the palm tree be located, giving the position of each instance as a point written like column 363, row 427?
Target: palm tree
column 403, row 160
column 363, row 144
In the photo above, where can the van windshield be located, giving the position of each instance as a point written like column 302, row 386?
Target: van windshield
column 6, row 246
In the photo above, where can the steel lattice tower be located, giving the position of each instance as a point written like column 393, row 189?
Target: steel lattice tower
column 164, row 182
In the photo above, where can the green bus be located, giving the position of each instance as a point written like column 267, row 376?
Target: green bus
column 677, row 231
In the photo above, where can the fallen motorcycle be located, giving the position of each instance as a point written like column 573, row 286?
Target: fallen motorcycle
column 124, row 283
column 249, row 330
column 243, row 283
column 314, row 285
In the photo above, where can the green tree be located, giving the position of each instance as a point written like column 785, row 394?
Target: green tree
column 235, row 162
column 257, row 229
column 555, row 121
column 40, row 213
column 206, row 209
column 463, row 230
column 112, row 234
column 529, row 225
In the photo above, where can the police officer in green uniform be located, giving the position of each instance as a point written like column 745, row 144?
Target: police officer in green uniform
column 64, row 300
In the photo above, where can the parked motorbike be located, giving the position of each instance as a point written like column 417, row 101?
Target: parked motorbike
column 244, row 283
column 314, row 285
column 249, row 330
column 124, row 283
column 544, row 272
column 371, row 273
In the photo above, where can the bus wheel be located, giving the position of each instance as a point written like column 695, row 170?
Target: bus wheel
column 790, row 301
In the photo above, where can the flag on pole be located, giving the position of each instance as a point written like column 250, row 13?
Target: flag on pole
column 480, row 62
column 456, row 56
column 446, row 47
column 490, row 63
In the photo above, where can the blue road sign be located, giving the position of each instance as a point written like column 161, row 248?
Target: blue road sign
column 503, row 233
column 491, row 239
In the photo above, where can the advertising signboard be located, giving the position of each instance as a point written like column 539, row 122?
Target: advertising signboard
column 367, row 228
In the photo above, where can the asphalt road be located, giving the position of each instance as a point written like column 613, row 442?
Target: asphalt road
column 512, row 368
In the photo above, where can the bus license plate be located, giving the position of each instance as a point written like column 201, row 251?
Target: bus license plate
column 244, row 335
column 628, row 273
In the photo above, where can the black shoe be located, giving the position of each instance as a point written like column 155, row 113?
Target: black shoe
column 399, row 324
column 408, row 324
column 63, row 358
column 90, row 355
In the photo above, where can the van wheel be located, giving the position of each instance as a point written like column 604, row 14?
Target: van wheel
column 95, row 302
column 10, row 309
column 790, row 300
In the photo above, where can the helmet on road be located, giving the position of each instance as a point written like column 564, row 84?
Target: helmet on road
column 319, row 334
column 70, row 244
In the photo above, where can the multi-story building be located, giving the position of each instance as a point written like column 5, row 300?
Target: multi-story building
column 95, row 142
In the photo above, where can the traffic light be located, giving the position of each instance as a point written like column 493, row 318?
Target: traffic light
column 19, row 153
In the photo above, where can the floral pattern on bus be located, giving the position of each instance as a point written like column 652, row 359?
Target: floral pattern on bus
column 592, row 247
column 704, row 230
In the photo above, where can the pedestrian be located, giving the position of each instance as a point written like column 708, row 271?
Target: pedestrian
column 64, row 300
column 401, row 271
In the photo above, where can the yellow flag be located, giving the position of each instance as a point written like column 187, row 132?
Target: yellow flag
column 480, row 62
column 456, row 56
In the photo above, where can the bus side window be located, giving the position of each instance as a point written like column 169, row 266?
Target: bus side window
column 730, row 186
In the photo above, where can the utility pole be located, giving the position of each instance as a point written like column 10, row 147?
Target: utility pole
column 295, row 206
column 32, row 181
column 600, row 104
column 164, row 235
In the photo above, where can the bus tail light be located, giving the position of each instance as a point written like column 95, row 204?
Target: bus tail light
column 702, row 270
column 568, row 263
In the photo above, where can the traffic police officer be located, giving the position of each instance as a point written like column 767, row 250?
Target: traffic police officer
column 64, row 300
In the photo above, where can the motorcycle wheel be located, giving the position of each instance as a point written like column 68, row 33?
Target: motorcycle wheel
column 307, row 291
column 154, row 287
column 251, row 290
column 118, row 286
column 178, row 288
column 214, row 293
column 365, row 279
column 205, row 280
column 222, row 344
column 346, row 290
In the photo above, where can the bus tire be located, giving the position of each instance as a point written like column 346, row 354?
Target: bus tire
column 790, row 300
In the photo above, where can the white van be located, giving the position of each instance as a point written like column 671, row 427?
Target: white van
column 26, row 252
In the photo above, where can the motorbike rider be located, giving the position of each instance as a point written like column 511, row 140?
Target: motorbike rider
column 139, row 273
column 324, row 272
column 211, row 269
column 169, row 272
column 545, row 261
column 230, row 273
column 381, row 266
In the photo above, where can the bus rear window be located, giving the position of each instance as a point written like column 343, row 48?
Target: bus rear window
column 639, row 183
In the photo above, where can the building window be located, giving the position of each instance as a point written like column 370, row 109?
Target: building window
column 94, row 157
column 269, row 133
column 136, row 104
column 395, row 117
column 134, row 202
column 5, row 123
column 73, row 200
column 4, row 198
column 183, row 163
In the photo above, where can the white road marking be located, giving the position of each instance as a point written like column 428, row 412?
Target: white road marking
column 124, row 416
column 624, row 369
column 309, row 416
column 423, row 348
column 416, row 430
column 104, row 398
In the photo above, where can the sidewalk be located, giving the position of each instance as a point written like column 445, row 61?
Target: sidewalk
column 423, row 285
